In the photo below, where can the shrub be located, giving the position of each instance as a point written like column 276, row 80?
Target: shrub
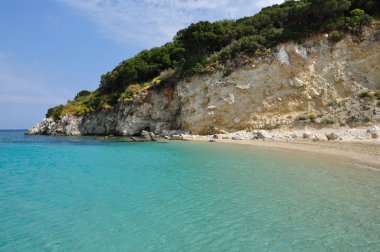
column 227, row 72
column 82, row 94
column 336, row 36
column 129, row 92
column 366, row 94
column 357, row 19
column 377, row 94
column 312, row 117
column 92, row 102
column 330, row 120
column 76, row 109
column 198, row 68
column 55, row 112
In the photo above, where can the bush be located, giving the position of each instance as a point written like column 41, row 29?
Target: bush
column 55, row 113
column 377, row 94
column 198, row 68
column 336, row 36
column 129, row 92
column 92, row 102
column 312, row 117
column 76, row 109
column 330, row 120
column 82, row 94
column 227, row 72
column 357, row 19
column 366, row 94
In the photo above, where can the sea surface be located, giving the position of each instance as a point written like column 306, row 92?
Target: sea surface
column 84, row 194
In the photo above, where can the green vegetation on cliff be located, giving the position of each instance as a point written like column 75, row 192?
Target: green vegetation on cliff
column 206, row 47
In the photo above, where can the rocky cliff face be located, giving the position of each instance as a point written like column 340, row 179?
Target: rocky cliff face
column 316, row 83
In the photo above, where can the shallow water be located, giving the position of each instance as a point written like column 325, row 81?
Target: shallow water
column 83, row 194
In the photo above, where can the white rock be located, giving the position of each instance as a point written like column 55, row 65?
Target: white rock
column 262, row 134
column 320, row 138
column 177, row 137
column 283, row 56
column 332, row 136
column 301, row 51
column 373, row 129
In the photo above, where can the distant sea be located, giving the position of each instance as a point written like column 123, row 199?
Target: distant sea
column 84, row 194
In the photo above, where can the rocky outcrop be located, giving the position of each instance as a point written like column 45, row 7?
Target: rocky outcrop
column 315, row 83
column 156, row 114
column 68, row 125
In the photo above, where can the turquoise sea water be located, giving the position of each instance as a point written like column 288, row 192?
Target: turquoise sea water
column 83, row 194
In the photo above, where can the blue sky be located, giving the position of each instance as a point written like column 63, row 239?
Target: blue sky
column 51, row 49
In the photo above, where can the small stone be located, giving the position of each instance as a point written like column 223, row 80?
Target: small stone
column 373, row 129
column 320, row 138
column 332, row 136
column 306, row 135
column 212, row 140
column 177, row 137
column 374, row 135
column 262, row 134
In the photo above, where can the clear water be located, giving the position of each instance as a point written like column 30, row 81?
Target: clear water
column 83, row 194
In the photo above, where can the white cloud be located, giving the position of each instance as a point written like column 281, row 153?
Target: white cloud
column 152, row 22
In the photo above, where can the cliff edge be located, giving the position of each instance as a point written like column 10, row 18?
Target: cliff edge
column 317, row 83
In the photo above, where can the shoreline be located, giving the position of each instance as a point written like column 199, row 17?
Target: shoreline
column 365, row 154
column 354, row 146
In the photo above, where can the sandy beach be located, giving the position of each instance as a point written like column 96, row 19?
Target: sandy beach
column 365, row 154
column 356, row 147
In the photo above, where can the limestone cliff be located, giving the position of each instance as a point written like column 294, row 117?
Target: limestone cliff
column 317, row 83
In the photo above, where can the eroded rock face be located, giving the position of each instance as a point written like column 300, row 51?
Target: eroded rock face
column 315, row 77
column 157, row 113
column 68, row 125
